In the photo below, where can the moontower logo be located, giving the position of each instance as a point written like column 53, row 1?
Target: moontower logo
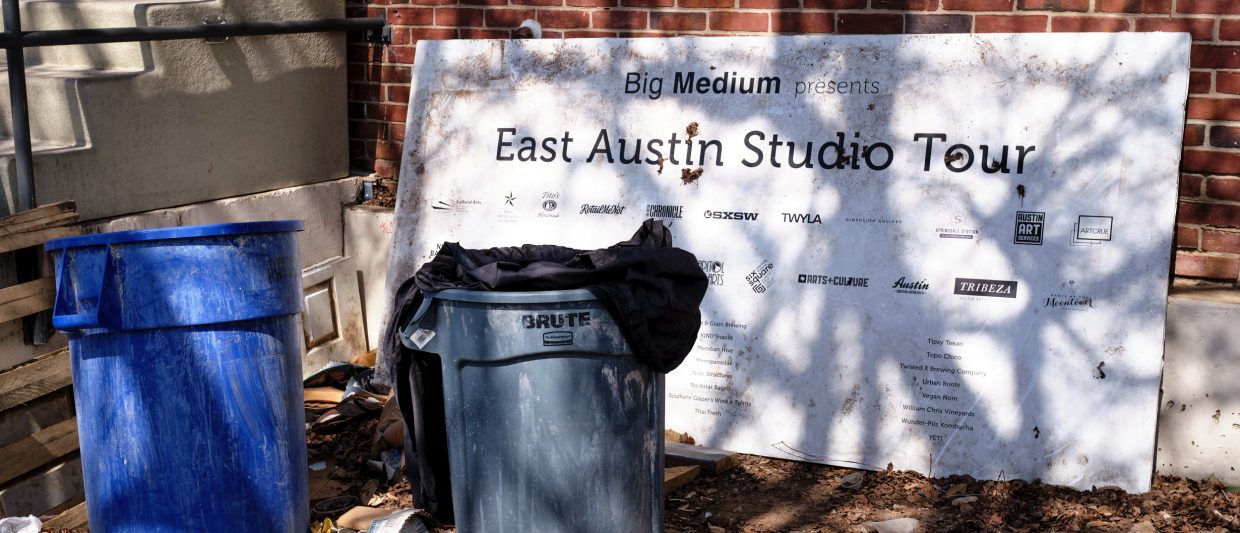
column 713, row 271
column 606, row 209
column 906, row 285
column 1029, row 226
column 664, row 211
column 993, row 288
column 838, row 281
column 759, row 278
column 1067, row 299
column 802, row 218
column 730, row 215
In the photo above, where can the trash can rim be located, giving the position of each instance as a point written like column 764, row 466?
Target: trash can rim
column 177, row 232
column 523, row 297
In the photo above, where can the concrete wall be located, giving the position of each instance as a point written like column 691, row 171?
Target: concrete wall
column 368, row 239
column 1199, row 421
column 133, row 127
column 320, row 206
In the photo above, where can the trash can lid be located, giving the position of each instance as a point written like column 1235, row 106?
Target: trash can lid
column 526, row 297
column 178, row 232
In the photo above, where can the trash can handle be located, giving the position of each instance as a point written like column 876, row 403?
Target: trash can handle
column 88, row 319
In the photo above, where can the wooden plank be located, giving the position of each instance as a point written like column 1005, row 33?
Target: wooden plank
column 27, row 382
column 9, row 243
column 40, row 212
column 35, row 416
column 678, row 476
column 27, row 298
column 36, row 494
column 712, row 461
column 62, row 219
column 34, row 451
column 75, row 517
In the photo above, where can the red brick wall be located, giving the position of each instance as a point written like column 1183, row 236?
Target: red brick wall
column 1208, row 233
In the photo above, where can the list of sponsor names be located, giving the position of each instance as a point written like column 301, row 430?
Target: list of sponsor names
column 713, row 384
column 937, row 375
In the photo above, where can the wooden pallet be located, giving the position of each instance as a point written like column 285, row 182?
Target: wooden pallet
column 41, row 473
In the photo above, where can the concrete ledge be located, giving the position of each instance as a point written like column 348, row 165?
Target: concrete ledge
column 1199, row 418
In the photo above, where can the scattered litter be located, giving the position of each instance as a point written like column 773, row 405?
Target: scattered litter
column 405, row 521
column 964, row 500
column 20, row 524
column 853, row 480
column 898, row 525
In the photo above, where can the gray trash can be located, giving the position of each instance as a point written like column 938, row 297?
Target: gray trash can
column 552, row 424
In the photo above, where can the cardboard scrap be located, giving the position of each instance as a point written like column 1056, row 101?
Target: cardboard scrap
column 330, row 395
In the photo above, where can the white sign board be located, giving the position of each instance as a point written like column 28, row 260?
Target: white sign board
column 946, row 253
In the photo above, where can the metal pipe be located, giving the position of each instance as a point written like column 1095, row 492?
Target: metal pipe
column 168, row 33
column 23, row 155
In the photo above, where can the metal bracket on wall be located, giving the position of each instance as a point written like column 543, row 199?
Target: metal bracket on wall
column 380, row 36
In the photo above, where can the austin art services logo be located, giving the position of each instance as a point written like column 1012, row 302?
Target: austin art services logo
column 664, row 211
column 713, row 271
column 838, row 281
column 760, row 279
column 1067, row 298
column 550, row 205
column 990, row 288
column 602, row 209
column 1091, row 230
column 1029, row 225
column 907, row 285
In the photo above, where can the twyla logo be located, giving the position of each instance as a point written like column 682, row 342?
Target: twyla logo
column 731, row 215
column 571, row 320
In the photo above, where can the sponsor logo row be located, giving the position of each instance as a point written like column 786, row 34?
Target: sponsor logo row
column 1029, row 226
column 761, row 278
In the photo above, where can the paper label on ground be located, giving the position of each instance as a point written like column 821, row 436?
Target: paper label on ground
column 945, row 253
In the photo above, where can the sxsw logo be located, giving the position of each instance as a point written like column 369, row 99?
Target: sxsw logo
column 1029, row 225
column 992, row 288
column 730, row 215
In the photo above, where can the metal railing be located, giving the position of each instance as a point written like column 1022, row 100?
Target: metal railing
column 15, row 41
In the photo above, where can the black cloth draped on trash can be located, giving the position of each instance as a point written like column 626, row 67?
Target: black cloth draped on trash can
column 652, row 290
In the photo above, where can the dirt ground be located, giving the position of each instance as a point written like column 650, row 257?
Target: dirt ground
column 769, row 495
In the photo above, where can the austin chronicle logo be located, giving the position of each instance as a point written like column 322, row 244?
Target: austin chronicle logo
column 1091, row 229
column 992, row 288
column 1029, row 225
column 663, row 211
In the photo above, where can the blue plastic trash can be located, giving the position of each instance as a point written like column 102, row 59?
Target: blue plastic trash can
column 552, row 424
column 186, row 354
